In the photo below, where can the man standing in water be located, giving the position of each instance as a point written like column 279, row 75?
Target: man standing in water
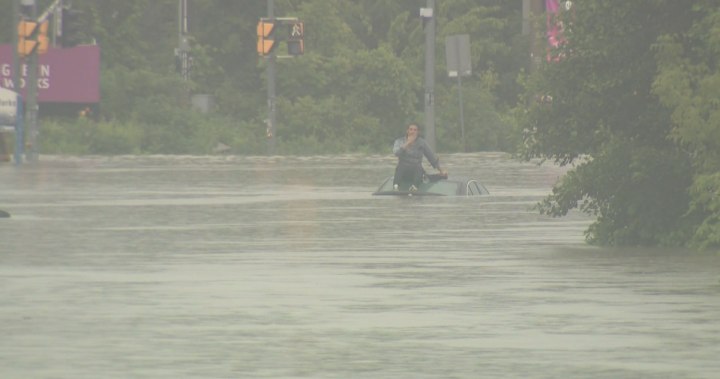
column 410, row 150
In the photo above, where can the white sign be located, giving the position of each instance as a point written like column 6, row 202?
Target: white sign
column 457, row 55
column 8, row 109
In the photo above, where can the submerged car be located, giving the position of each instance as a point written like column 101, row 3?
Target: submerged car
column 434, row 185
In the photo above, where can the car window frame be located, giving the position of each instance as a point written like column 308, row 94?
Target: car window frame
column 469, row 191
column 481, row 188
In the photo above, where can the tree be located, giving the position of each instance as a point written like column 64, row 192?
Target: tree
column 688, row 84
column 605, row 121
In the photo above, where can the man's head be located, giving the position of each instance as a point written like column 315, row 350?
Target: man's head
column 412, row 130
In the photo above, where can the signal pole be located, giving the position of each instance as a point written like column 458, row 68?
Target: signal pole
column 428, row 15
column 537, row 9
column 16, row 54
column 272, row 143
column 31, row 94
column 183, row 43
column 265, row 48
column 19, row 130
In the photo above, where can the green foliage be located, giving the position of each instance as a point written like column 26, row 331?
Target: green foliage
column 485, row 130
column 636, row 114
column 201, row 136
column 357, row 87
column 688, row 84
column 638, row 194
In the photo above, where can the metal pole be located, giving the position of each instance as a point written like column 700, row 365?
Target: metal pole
column 19, row 133
column 186, row 56
column 56, row 23
column 16, row 55
column 271, row 89
column 430, row 78
column 181, row 48
column 536, row 9
column 185, row 17
column 182, row 39
column 459, row 76
column 180, row 22
column 31, row 84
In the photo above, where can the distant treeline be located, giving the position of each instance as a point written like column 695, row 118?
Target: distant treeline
column 359, row 84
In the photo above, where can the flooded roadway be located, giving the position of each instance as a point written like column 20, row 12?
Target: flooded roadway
column 230, row 267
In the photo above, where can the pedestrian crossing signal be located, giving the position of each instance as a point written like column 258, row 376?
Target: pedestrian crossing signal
column 296, row 30
column 296, row 37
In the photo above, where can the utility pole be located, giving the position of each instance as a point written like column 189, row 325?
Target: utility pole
column 57, row 23
column 272, row 143
column 16, row 54
column 428, row 15
column 459, row 76
column 19, row 130
column 183, row 42
column 536, row 9
column 31, row 95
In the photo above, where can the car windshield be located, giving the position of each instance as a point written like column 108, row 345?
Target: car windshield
column 441, row 188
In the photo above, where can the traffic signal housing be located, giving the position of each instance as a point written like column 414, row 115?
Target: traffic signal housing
column 71, row 27
column 296, row 38
column 27, row 39
column 32, row 36
column 266, row 44
column 42, row 39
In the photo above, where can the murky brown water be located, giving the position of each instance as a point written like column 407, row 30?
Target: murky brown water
column 215, row 267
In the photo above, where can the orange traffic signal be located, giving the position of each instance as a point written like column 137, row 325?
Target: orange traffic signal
column 32, row 36
column 265, row 43
column 25, row 30
column 42, row 38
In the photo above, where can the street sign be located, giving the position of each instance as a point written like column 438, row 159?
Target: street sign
column 8, row 110
column 457, row 55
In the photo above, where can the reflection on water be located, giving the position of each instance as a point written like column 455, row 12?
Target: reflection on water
column 209, row 267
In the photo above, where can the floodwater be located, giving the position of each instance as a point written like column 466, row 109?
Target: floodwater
column 231, row 267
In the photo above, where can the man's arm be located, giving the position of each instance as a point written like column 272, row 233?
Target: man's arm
column 430, row 156
column 434, row 161
column 398, row 147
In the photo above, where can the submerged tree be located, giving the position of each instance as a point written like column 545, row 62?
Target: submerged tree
column 689, row 85
column 606, row 120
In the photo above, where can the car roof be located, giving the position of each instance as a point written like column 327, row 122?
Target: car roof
column 451, row 178
column 457, row 178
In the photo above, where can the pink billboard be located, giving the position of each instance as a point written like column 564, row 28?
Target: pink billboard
column 64, row 75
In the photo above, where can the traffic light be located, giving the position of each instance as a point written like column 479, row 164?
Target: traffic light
column 28, row 33
column 42, row 38
column 26, row 42
column 70, row 30
column 32, row 36
column 296, row 37
column 265, row 44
